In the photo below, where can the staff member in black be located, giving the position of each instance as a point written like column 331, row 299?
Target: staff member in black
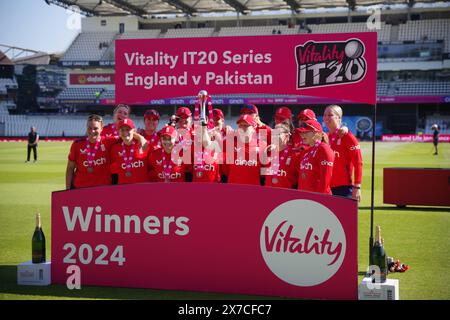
column 33, row 139
column 435, row 129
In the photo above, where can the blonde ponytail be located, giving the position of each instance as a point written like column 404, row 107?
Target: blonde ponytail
column 325, row 138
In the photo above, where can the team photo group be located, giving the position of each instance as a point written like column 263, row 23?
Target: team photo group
column 200, row 147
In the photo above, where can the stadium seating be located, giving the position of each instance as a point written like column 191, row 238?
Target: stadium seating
column 108, row 94
column 7, row 83
column 398, row 88
column 78, row 93
column 383, row 89
column 383, row 34
column 89, row 46
column 55, row 125
column 189, row 33
column 433, row 29
column 442, row 121
column 50, row 79
column 95, row 46
column 141, row 34
column 257, row 30
column 3, row 108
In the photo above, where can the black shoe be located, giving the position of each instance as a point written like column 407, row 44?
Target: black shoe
column 435, row 153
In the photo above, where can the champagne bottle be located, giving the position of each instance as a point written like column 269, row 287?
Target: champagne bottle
column 378, row 257
column 38, row 242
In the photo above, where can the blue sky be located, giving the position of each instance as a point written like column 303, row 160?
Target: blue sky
column 32, row 24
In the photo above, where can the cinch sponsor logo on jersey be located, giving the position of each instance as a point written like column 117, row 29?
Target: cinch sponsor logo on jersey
column 172, row 176
column 248, row 163
column 97, row 162
column 306, row 166
column 327, row 163
column 336, row 154
column 206, row 167
column 134, row 165
column 357, row 147
column 280, row 173
column 312, row 244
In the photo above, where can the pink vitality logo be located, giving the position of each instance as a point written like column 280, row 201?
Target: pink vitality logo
column 303, row 243
column 330, row 63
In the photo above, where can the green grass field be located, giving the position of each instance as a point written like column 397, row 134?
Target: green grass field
column 418, row 236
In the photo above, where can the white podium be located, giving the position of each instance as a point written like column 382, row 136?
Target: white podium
column 388, row 290
column 34, row 274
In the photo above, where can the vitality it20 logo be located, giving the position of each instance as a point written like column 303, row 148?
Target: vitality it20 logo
column 330, row 63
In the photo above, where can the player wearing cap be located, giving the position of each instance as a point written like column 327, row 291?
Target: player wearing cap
column 263, row 131
column 89, row 160
column 284, row 115
column 205, row 166
column 184, row 119
column 220, row 131
column 151, row 121
column 122, row 111
column 241, row 161
column 297, row 141
column 129, row 157
column 219, row 123
column 281, row 172
column 163, row 164
column 304, row 115
column 348, row 159
column 185, row 132
column 315, row 166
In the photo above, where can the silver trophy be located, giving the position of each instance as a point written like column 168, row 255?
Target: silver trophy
column 203, row 102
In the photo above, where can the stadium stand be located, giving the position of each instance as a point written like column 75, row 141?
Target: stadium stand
column 383, row 34
column 108, row 94
column 442, row 121
column 7, row 83
column 48, row 78
column 413, row 88
column 3, row 108
column 140, row 34
column 432, row 29
column 383, row 89
column 401, row 43
column 95, row 46
column 257, row 30
column 89, row 46
column 189, row 33
column 51, row 125
column 78, row 93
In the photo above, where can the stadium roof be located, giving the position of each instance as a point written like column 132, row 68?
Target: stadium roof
column 4, row 60
column 148, row 8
